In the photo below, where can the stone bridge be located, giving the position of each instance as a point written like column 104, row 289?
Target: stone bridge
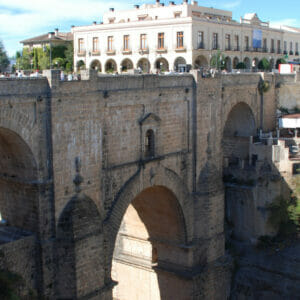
column 112, row 187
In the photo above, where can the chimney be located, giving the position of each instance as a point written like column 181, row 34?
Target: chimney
column 50, row 35
column 112, row 9
column 195, row 2
column 56, row 31
column 185, row 1
column 171, row 3
column 157, row 1
column 94, row 23
column 137, row 6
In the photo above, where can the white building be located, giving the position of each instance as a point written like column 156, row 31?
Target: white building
column 155, row 37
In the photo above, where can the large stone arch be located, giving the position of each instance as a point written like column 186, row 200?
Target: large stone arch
column 79, row 246
column 235, row 62
column 142, row 179
column 111, row 66
column 144, row 65
column 228, row 64
column 19, row 193
column 247, row 63
column 161, row 64
column 180, row 64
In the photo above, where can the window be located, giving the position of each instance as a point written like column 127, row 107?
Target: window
column 284, row 45
column 180, row 39
column 95, row 44
column 291, row 46
column 110, row 41
column 265, row 44
column 278, row 46
column 246, row 43
column 200, row 40
column 237, row 42
column 81, row 45
column 161, row 41
column 227, row 41
column 296, row 48
column 149, row 143
column 272, row 45
column 143, row 41
column 126, row 42
column 215, row 41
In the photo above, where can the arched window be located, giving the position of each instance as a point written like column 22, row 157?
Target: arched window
column 149, row 143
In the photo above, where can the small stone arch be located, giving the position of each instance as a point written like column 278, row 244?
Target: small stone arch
column 247, row 63
column 161, row 65
column 228, row 65
column 80, row 65
column 235, row 62
column 255, row 62
column 200, row 62
column 79, row 246
column 144, row 65
column 126, row 65
column 180, row 65
column 96, row 65
column 110, row 66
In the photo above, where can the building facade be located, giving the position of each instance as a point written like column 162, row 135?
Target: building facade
column 155, row 37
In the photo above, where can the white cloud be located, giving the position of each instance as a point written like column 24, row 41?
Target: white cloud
column 21, row 19
column 287, row 22
column 231, row 5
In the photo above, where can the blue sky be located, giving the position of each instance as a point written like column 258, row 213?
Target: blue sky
column 22, row 19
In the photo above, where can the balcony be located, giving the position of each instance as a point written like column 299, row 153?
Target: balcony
column 291, row 52
column 95, row 53
column 201, row 46
column 126, row 51
column 215, row 47
column 161, row 50
column 297, row 53
column 236, row 48
column 110, row 51
column 278, row 51
column 284, row 52
column 180, row 49
column 272, row 50
column 228, row 48
column 247, row 48
column 265, row 49
column 144, row 50
column 81, row 53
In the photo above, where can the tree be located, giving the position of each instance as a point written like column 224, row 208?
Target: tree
column 218, row 60
column 4, row 61
column 264, row 65
column 241, row 65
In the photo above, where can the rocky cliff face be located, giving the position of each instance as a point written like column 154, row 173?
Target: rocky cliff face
column 267, row 274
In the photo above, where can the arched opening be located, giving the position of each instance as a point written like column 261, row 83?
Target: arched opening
column 110, row 66
column 96, row 65
column 239, row 126
column 247, row 63
column 18, row 182
column 235, row 62
column 161, row 65
column 79, row 247
column 149, row 144
column 126, row 65
column 272, row 64
column 255, row 62
column 180, row 65
column 148, row 247
column 80, row 65
column 200, row 62
column 228, row 65
column 144, row 65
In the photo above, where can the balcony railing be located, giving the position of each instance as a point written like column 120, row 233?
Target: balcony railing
column 236, row 48
column 272, row 50
column 291, row 52
column 95, row 52
column 265, row 49
column 228, row 48
column 279, row 51
column 215, row 47
column 111, row 51
column 126, row 51
column 161, row 49
column 180, row 48
column 247, row 48
column 201, row 45
column 144, row 50
column 284, row 52
column 81, row 53
column 297, row 53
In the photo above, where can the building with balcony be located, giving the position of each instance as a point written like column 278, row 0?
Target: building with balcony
column 155, row 37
